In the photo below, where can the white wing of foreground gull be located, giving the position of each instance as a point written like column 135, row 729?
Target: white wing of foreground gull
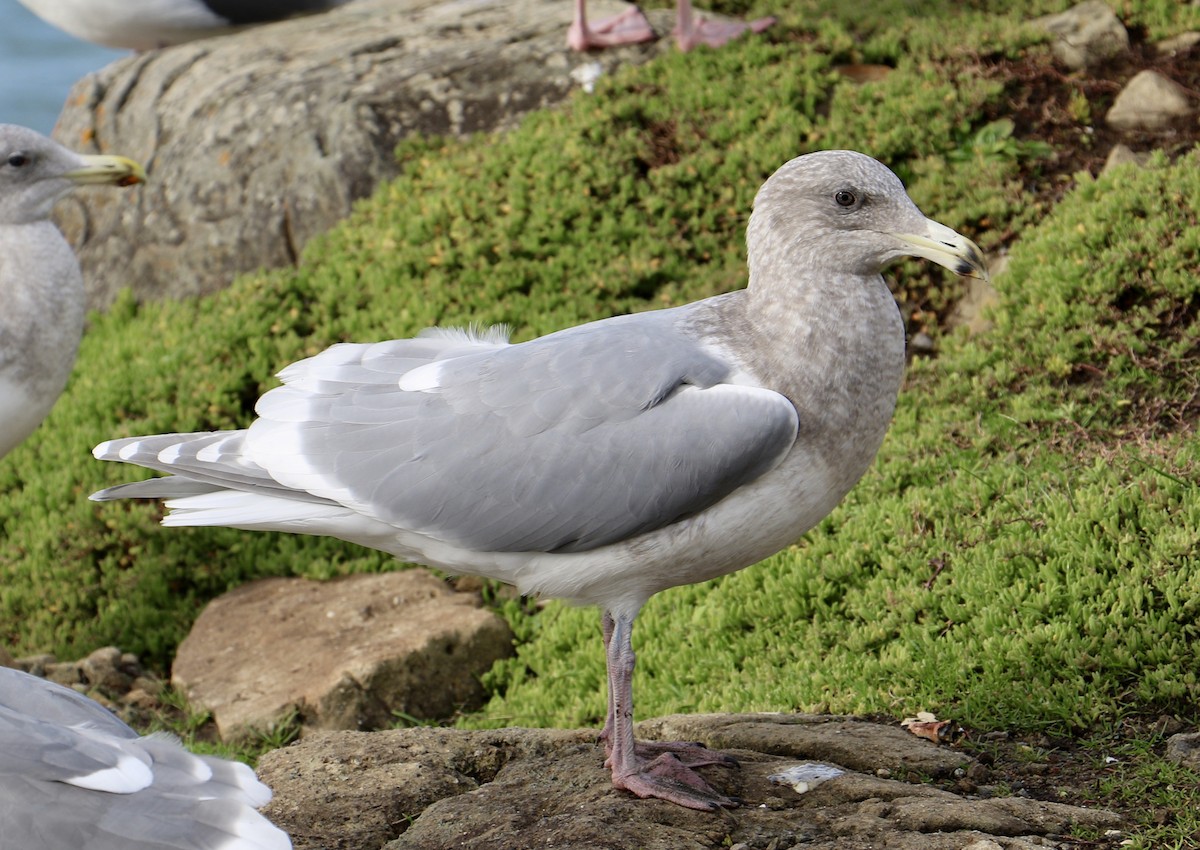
column 74, row 776
column 609, row 461
column 149, row 24
column 41, row 290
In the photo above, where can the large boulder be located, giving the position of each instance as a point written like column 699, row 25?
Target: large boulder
column 351, row 653
column 259, row 140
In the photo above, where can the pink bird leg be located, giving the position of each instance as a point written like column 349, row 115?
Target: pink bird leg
column 662, row 770
column 692, row 30
column 631, row 27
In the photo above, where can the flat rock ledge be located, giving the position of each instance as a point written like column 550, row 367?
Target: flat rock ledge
column 257, row 141
column 431, row 788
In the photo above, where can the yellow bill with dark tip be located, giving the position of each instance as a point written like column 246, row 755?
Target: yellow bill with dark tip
column 948, row 248
column 107, row 170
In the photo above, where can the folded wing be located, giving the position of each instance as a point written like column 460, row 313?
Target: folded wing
column 562, row 444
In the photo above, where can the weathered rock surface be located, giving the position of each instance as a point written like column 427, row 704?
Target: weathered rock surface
column 257, row 141
column 443, row 788
column 1085, row 34
column 1149, row 101
column 341, row 654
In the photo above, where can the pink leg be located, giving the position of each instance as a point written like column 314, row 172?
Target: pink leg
column 629, row 27
column 665, row 777
column 691, row 753
column 691, row 30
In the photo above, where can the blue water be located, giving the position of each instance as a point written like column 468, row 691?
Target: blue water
column 38, row 66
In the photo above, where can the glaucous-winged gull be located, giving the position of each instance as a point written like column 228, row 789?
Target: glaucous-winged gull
column 149, row 24
column 606, row 462
column 74, row 776
column 631, row 27
column 42, row 290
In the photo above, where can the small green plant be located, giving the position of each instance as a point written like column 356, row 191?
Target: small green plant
column 1079, row 108
column 279, row 733
column 995, row 140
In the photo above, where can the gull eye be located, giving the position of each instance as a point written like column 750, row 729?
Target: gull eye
column 16, row 160
column 845, row 199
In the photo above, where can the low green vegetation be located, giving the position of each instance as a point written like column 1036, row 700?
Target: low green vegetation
column 632, row 199
column 1020, row 556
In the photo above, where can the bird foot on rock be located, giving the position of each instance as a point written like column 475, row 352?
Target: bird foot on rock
column 629, row 27
column 689, row 753
column 718, row 33
column 667, row 778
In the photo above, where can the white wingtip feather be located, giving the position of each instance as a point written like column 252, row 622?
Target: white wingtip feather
column 423, row 379
column 129, row 775
column 252, row 831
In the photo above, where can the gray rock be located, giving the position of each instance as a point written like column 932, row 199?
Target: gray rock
column 259, row 140
column 1184, row 748
column 921, row 344
column 342, row 654
column 1149, row 102
column 1086, row 34
column 35, row 665
column 112, row 678
column 443, row 788
column 845, row 741
column 109, row 671
column 67, row 674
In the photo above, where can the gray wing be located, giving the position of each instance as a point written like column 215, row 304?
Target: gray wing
column 565, row 443
column 73, row 775
column 41, row 737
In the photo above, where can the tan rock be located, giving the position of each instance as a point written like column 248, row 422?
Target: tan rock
column 1178, row 43
column 970, row 311
column 1124, row 155
column 1148, row 102
column 343, row 654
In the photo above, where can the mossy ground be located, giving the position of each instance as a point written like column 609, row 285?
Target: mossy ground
column 1021, row 556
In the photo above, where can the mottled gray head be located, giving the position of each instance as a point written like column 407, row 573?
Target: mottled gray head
column 846, row 212
column 36, row 171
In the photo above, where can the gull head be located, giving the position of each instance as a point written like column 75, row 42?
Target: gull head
column 844, row 211
column 36, row 171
